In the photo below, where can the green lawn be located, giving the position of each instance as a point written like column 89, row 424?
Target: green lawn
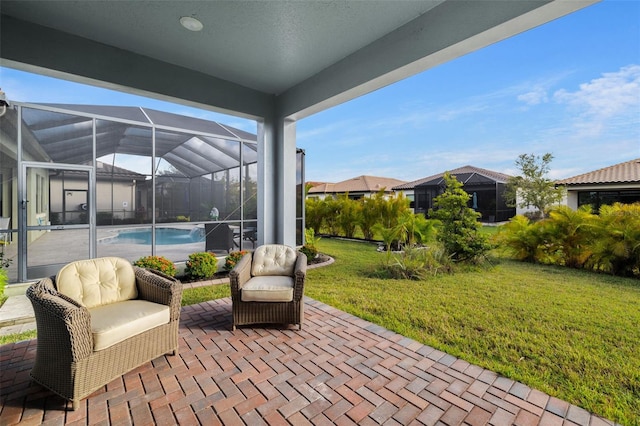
column 572, row 334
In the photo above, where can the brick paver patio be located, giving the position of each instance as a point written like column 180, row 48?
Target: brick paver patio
column 338, row 370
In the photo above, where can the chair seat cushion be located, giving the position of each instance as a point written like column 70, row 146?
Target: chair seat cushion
column 268, row 289
column 113, row 323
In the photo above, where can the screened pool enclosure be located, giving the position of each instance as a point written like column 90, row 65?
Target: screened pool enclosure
column 83, row 181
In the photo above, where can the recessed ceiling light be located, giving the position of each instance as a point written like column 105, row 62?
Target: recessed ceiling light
column 191, row 23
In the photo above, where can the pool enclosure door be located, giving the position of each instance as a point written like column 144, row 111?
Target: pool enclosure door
column 56, row 225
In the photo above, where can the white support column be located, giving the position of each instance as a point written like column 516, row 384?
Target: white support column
column 277, row 182
column 266, row 185
column 287, row 183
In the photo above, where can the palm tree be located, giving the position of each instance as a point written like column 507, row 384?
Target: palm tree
column 522, row 238
column 570, row 234
column 616, row 248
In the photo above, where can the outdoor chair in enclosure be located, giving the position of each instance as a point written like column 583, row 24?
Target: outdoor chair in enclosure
column 97, row 319
column 218, row 237
column 267, row 286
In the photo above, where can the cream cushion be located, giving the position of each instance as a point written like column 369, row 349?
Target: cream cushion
column 96, row 282
column 273, row 259
column 268, row 289
column 113, row 323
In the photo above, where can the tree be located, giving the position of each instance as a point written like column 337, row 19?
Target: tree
column 315, row 210
column 348, row 215
column 460, row 230
column 371, row 213
column 533, row 188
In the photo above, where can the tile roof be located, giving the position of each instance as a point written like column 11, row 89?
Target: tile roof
column 321, row 188
column 496, row 176
column 629, row 171
column 110, row 170
column 357, row 184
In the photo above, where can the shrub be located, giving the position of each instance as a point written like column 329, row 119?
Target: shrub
column 521, row 238
column 202, row 265
column 315, row 213
column 157, row 263
column 5, row 262
column 570, row 234
column 3, row 282
column 616, row 249
column 348, row 215
column 417, row 263
column 310, row 251
column 233, row 258
column 331, row 212
column 310, row 238
column 370, row 213
column 608, row 242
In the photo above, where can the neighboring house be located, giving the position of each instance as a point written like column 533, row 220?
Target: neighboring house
column 617, row 183
column 486, row 188
column 357, row 187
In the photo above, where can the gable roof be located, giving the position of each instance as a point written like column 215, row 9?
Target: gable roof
column 357, row 184
column 466, row 170
column 629, row 171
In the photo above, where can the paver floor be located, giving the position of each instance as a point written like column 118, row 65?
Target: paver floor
column 338, row 370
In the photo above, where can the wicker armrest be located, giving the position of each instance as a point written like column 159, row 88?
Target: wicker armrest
column 299, row 273
column 64, row 326
column 240, row 274
column 157, row 287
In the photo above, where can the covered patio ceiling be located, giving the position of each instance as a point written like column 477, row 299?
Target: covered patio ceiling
column 298, row 57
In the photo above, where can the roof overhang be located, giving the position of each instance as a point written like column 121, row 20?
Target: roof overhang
column 257, row 59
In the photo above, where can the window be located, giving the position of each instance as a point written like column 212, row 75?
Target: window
column 599, row 198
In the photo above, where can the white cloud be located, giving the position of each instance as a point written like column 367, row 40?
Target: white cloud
column 536, row 92
column 535, row 97
column 614, row 97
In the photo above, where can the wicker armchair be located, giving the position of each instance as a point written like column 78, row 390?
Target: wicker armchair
column 98, row 319
column 267, row 286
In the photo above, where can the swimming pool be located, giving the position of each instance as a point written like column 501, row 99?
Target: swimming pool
column 164, row 236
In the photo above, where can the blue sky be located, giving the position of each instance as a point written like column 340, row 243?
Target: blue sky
column 570, row 87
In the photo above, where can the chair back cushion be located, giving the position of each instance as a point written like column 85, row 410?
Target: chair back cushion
column 273, row 259
column 96, row 282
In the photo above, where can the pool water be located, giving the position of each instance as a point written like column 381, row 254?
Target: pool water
column 164, row 236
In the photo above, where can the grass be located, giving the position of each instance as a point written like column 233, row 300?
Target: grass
column 191, row 296
column 572, row 334
column 17, row 337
